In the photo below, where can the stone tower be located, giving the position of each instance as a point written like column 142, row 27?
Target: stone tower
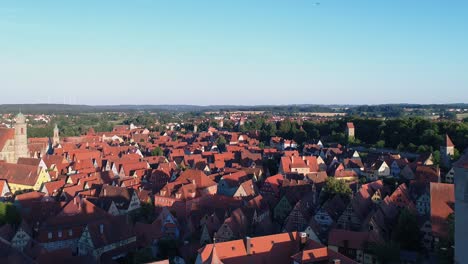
column 350, row 130
column 21, row 138
column 447, row 151
column 56, row 138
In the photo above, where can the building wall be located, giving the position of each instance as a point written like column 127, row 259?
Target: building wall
column 350, row 132
column 323, row 219
column 300, row 170
column 423, row 204
column 55, row 245
column 461, row 214
column 41, row 179
column 20, row 240
column 8, row 152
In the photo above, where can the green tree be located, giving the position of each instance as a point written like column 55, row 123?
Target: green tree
column 261, row 145
column 380, row 144
column 436, row 157
column 406, row 232
column 456, row 154
column 445, row 252
column 386, row 253
column 271, row 165
column 334, row 186
column 157, row 151
column 9, row 214
column 300, row 137
column 285, row 128
column 221, row 143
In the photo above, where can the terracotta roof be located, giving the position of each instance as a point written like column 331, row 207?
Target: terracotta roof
column 5, row 135
column 200, row 178
column 2, row 185
column 19, row 174
column 320, row 254
column 448, row 141
column 54, row 187
column 276, row 248
column 442, row 205
column 29, row 161
column 350, row 239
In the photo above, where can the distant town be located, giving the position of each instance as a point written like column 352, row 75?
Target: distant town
column 231, row 184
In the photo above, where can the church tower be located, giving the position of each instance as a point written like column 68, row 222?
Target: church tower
column 21, row 138
column 350, row 130
column 447, row 151
column 56, row 138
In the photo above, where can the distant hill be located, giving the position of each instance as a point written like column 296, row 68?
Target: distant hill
column 74, row 109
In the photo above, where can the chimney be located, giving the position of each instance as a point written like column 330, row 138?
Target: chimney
column 248, row 246
column 303, row 237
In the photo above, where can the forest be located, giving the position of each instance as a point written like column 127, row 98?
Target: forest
column 413, row 134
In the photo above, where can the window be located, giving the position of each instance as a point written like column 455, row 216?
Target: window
column 70, row 232
column 49, row 235
column 59, row 233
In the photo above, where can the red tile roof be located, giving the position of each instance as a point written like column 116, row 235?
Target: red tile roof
column 448, row 141
column 5, row 135
column 19, row 174
column 442, row 205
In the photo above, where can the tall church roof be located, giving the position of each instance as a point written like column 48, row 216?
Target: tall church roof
column 448, row 141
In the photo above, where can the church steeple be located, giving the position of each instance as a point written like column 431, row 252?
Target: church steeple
column 447, row 151
column 56, row 138
column 21, row 138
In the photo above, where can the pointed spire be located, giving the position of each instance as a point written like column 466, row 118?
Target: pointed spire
column 448, row 141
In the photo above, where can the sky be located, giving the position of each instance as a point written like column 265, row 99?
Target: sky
column 236, row 52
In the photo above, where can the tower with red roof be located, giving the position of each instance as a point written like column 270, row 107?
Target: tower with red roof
column 447, row 151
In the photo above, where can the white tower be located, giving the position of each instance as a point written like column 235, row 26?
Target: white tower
column 21, row 138
column 447, row 151
column 56, row 138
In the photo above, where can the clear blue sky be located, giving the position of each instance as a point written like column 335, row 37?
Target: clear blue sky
column 233, row 52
